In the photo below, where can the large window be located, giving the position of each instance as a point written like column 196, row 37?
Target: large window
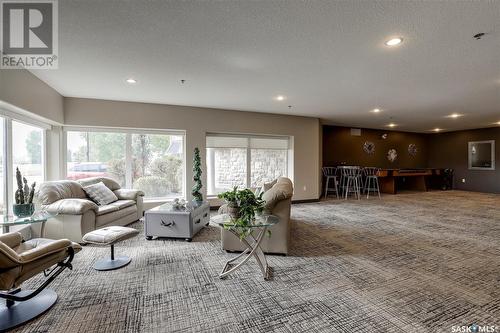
column 22, row 145
column 2, row 169
column 245, row 161
column 27, row 153
column 149, row 161
column 96, row 154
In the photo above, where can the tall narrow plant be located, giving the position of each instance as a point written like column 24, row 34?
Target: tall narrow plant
column 24, row 193
column 196, row 190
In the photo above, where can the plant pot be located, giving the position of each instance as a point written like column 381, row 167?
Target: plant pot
column 197, row 203
column 23, row 210
column 233, row 211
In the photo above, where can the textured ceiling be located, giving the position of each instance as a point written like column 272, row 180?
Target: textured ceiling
column 327, row 57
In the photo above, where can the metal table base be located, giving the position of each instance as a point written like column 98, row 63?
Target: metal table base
column 253, row 250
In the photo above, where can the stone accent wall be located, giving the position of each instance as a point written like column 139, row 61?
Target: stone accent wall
column 230, row 166
column 267, row 165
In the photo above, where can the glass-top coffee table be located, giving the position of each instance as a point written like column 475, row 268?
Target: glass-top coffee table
column 7, row 221
column 260, row 224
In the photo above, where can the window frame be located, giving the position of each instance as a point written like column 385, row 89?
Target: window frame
column 8, row 171
column 128, row 151
column 249, row 137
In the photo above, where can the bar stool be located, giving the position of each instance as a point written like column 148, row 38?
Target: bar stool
column 352, row 181
column 330, row 173
column 371, row 181
column 342, row 176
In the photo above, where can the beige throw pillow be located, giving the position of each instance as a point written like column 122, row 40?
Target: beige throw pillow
column 282, row 190
column 100, row 194
column 267, row 186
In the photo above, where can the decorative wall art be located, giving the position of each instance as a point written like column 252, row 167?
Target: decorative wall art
column 412, row 149
column 482, row 155
column 369, row 147
column 392, row 155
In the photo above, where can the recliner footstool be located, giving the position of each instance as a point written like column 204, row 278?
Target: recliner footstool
column 110, row 236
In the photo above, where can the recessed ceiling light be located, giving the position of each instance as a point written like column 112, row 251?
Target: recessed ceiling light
column 497, row 123
column 437, row 130
column 455, row 115
column 131, row 81
column 280, row 98
column 394, row 41
column 392, row 125
column 376, row 110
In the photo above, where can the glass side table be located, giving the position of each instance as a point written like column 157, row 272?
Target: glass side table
column 42, row 216
column 261, row 223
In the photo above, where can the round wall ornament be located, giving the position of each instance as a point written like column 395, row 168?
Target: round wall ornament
column 369, row 147
column 392, row 155
column 412, row 149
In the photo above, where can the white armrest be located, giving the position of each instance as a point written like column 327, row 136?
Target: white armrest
column 71, row 206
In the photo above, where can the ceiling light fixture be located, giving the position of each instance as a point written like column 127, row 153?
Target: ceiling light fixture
column 392, row 125
column 280, row 98
column 394, row 41
column 131, row 81
column 497, row 123
column 437, row 130
column 455, row 115
column 376, row 110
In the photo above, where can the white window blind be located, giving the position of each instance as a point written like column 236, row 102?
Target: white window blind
column 226, row 142
column 255, row 142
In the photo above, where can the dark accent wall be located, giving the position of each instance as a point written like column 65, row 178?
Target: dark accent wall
column 450, row 150
column 442, row 150
column 340, row 147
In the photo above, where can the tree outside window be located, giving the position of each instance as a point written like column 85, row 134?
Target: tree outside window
column 155, row 163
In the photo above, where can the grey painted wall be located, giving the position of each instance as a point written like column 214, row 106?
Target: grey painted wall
column 24, row 90
column 198, row 121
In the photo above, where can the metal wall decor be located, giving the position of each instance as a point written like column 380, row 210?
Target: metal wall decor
column 369, row 147
column 412, row 149
column 392, row 155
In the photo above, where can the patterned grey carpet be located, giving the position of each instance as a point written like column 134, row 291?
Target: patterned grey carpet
column 417, row 262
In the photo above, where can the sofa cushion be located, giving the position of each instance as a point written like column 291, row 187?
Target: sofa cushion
column 106, row 209
column 115, row 215
column 110, row 183
column 100, row 194
column 53, row 191
column 123, row 203
column 282, row 190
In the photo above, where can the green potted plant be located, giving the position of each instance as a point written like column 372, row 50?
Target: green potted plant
column 24, row 197
column 196, row 190
column 242, row 205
